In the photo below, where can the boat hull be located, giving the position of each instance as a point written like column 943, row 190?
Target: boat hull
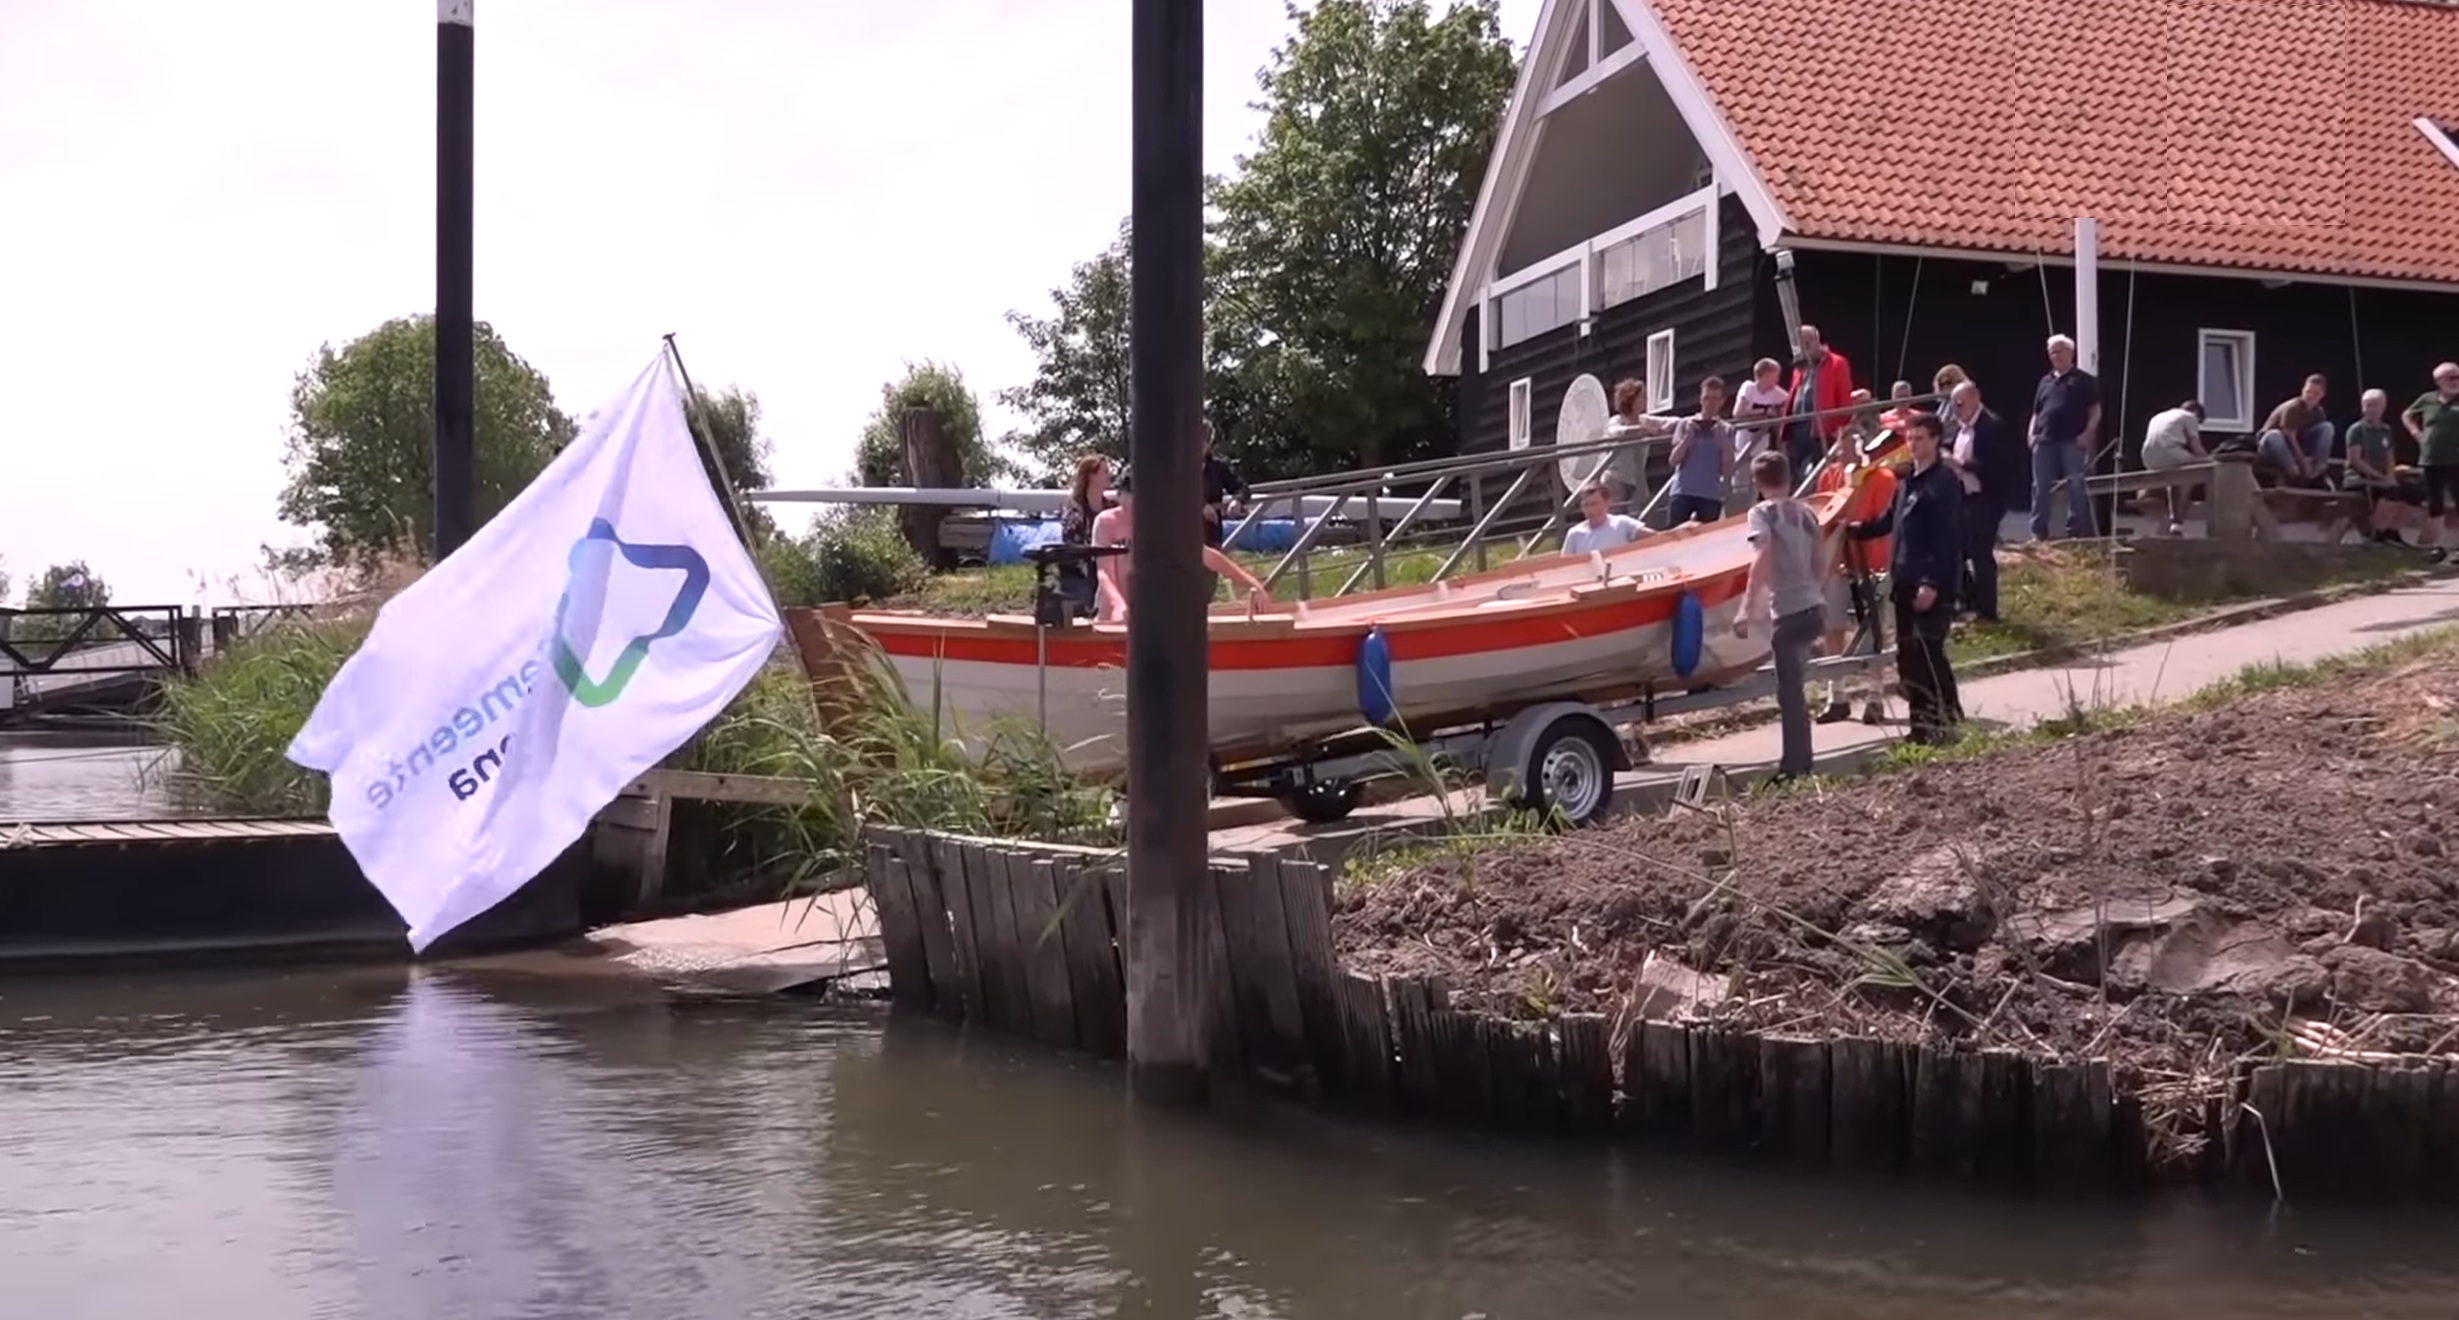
column 1657, row 613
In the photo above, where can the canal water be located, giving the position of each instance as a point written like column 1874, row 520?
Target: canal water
column 75, row 776
column 384, row 1143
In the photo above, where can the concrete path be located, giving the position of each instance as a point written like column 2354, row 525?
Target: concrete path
column 755, row 950
column 2162, row 671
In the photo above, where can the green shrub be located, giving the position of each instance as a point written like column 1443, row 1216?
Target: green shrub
column 851, row 553
column 233, row 722
column 885, row 761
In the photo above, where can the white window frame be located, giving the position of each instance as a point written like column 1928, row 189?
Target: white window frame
column 2440, row 138
column 1706, row 200
column 1519, row 418
column 1661, row 377
column 2227, row 414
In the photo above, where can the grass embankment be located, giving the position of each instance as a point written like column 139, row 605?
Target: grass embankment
column 2058, row 598
column 881, row 760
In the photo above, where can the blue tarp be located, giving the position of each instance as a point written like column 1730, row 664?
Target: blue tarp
column 1011, row 537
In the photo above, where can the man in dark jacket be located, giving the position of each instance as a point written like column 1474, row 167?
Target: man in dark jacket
column 1989, row 464
column 1923, row 574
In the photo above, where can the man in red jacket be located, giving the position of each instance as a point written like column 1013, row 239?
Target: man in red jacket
column 1822, row 383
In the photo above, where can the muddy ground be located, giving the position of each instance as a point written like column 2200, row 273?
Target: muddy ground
column 2174, row 894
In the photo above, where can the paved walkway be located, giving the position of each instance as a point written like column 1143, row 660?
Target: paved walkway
column 2161, row 671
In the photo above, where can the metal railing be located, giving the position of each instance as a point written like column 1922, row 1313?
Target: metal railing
column 1505, row 522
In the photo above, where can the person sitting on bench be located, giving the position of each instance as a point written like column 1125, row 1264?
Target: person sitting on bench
column 2391, row 500
column 2296, row 438
column 2173, row 440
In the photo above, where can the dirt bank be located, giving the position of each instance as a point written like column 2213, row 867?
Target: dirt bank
column 2172, row 893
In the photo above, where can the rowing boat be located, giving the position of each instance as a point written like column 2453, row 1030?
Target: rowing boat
column 1659, row 611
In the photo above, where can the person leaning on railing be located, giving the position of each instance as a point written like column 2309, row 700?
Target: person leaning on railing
column 1628, row 469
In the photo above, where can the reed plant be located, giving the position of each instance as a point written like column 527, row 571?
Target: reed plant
column 867, row 752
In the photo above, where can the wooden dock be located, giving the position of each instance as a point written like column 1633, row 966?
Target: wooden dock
column 142, row 833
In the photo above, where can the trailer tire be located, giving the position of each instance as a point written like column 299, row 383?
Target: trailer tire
column 1325, row 801
column 1570, row 770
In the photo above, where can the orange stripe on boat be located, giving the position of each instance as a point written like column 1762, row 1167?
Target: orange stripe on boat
column 1331, row 647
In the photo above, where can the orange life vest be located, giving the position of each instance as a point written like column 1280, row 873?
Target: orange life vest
column 1873, row 487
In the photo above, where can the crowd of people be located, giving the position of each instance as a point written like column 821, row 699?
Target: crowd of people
column 2407, row 473
column 1934, row 476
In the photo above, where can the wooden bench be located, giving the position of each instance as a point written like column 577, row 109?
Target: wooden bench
column 2336, row 512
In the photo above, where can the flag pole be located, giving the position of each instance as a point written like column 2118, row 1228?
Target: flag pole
column 708, row 446
column 1168, row 769
column 455, row 459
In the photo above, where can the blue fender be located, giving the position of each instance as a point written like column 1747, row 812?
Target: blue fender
column 1690, row 634
column 1376, row 700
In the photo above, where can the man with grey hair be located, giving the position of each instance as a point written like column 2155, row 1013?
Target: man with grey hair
column 2065, row 423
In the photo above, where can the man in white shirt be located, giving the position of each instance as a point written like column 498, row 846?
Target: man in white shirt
column 2174, row 439
column 1604, row 529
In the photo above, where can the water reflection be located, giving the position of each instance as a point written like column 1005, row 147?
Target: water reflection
column 86, row 776
column 384, row 1144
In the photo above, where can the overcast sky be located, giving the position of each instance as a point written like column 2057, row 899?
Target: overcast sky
column 808, row 192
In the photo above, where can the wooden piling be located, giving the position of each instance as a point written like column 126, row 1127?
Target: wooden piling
column 1028, row 939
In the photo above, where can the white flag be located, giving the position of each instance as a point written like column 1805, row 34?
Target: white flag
column 592, row 627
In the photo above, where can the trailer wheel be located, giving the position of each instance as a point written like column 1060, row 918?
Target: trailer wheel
column 1325, row 800
column 1570, row 769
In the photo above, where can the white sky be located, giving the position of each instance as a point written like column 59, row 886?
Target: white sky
column 194, row 196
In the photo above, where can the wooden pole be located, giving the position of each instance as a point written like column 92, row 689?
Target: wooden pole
column 456, row 496
column 1168, row 1043
column 931, row 462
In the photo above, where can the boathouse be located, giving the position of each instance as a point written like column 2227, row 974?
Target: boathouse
column 2274, row 184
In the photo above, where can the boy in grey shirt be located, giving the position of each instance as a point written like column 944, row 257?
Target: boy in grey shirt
column 1603, row 528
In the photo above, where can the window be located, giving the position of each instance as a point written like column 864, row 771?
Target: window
column 1520, row 425
column 2224, row 379
column 1660, row 372
column 1634, row 267
column 1548, row 302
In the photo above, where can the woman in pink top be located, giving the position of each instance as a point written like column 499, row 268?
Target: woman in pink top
column 1116, row 526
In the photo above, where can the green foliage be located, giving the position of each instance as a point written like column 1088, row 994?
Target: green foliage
column 883, row 760
column 852, row 552
column 1338, row 232
column 879, row 458
column 361, row 450
column 1077, row 402
column 233, row 723
column 1329, row 253
column 729, row 422
column 69, row 586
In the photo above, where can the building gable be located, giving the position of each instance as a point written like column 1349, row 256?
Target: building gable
column 1579, row 52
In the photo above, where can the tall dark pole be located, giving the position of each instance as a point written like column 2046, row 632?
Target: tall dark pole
column 456, row 496
column 1168, row 771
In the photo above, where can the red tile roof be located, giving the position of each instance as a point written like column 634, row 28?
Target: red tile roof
column 2273, row 135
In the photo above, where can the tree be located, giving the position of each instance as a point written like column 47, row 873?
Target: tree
column 879, row 457
column 1077, row 402
column 69, row 586
column 729, row 421
column 1337, row 234
column 361, row 449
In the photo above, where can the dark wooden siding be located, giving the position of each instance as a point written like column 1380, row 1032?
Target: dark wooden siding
column 1896, row 317
column 1714, row 334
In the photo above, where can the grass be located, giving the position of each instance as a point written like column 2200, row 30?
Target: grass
column 2082, row 717
column 881, row 760
column 2058, row 598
